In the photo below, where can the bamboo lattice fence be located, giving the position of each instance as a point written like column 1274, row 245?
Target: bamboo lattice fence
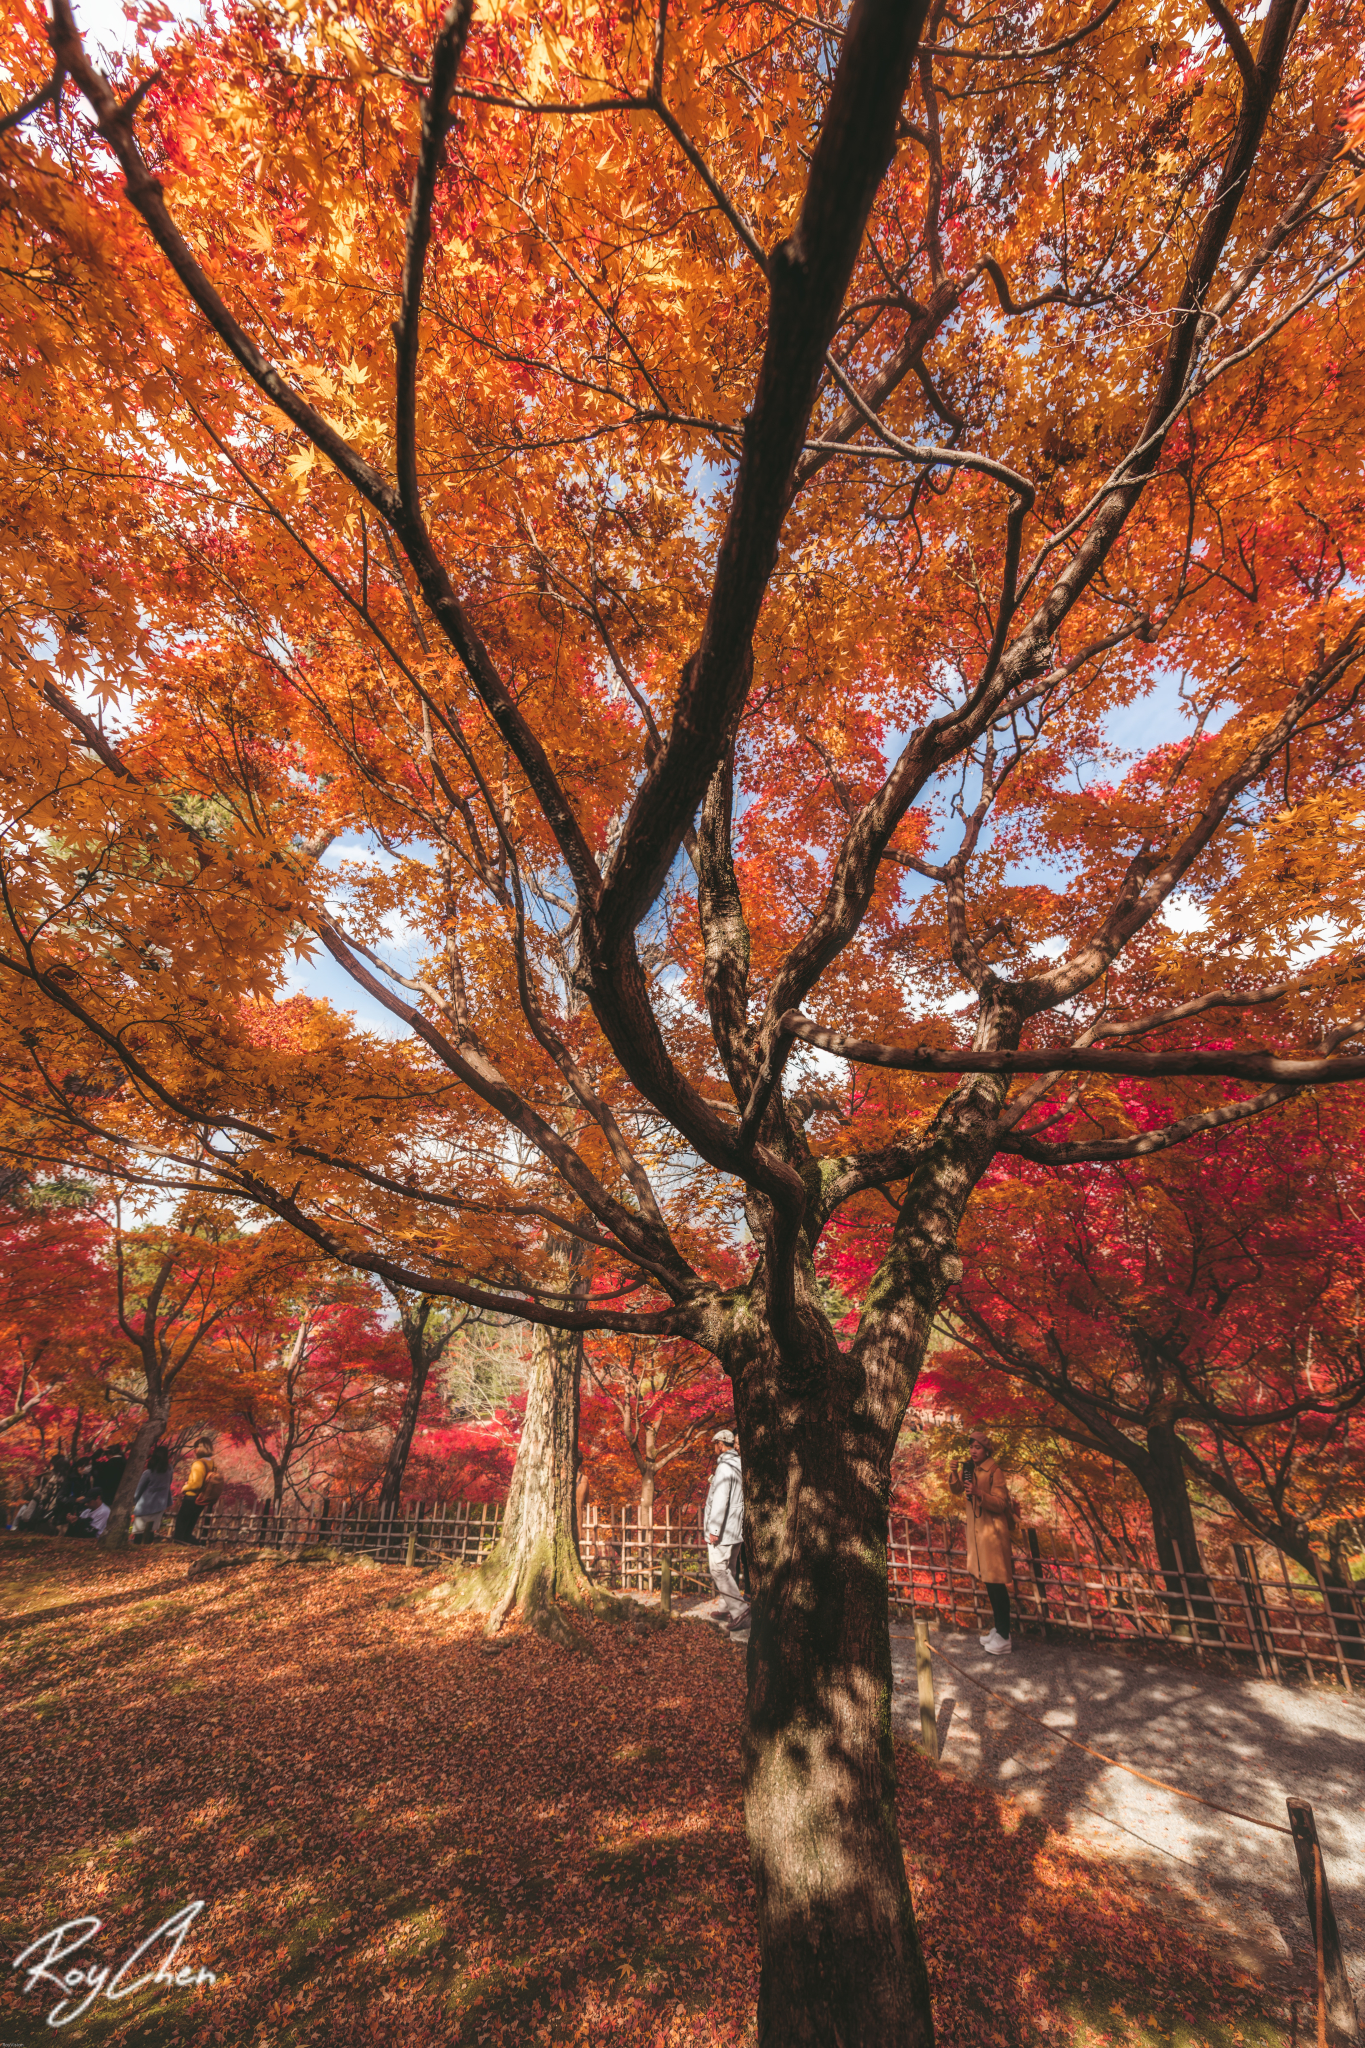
column 617, row 1547
column 1253, row 1613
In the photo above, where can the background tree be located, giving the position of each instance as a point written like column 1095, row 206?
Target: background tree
column 1197, row 1320
column 174, row 1290
column 665, row 1401
column 702, row 534
column 56, row 1314
column 311, row 1365
column 428, row 1326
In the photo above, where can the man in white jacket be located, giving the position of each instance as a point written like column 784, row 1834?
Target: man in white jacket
column 723, row 1525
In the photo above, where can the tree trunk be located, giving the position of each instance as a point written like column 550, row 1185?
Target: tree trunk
column 535, row 1566
column 1162, row 1478
column 841, row 1960
column 648, row 1477
column 115, row 1534
column 397, row 1462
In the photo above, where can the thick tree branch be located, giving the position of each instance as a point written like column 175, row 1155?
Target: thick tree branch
column 1026, row 656
column 1143, row 1144
column 923, row 1059
column 49, row 95
column 809, row 274
column 445, row 64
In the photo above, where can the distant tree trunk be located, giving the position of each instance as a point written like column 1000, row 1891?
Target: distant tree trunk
column 120, row 1514
column 648, row 1475
column 1162, row 1478
column 535, row 1566
column 420, row 1357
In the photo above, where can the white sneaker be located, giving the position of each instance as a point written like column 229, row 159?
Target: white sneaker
column 1001, row 1647
column 989, row 1637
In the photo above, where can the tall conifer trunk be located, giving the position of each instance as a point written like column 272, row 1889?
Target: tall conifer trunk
column 535, row 1566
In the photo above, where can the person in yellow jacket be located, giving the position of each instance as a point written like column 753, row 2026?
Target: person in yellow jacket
column 990, row 1523
column 203, row 1484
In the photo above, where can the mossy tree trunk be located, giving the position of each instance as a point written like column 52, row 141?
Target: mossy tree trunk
column 535, row 1568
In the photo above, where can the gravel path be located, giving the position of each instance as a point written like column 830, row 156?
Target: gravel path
column 1244, row 1742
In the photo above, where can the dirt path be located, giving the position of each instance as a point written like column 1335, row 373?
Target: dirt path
column 1243, row 1742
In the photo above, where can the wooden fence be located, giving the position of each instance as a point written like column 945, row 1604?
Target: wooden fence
column 618, row 1549
column 1253, row 1613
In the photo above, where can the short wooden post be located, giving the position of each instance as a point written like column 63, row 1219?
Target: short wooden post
column 1249, row 1586
column 1036, row 1567
column 411, row 1557
column 924, row 1669
column 666, row 1587
column 1338, row 2026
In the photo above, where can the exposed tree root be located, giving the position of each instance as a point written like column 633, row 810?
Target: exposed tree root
column 540, row 1583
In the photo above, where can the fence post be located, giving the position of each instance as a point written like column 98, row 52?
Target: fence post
column 666, row 1587
column 924, row 1671
column 1035, row 1555
column 1333, row 1623
column 411, row 1557
column 1337, row 2022
column 1195, row 1631
column 1248, row 1584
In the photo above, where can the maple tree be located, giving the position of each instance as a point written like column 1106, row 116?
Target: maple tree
column 428, row 1326
column 175, row 1288
column 1198, row 1322
column 666, row 1400
column 311, row 1366
column 55, row 1309
column 690, row 496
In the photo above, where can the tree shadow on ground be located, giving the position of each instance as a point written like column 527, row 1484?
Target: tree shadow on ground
column 1239, row 1742
column 403, row 1833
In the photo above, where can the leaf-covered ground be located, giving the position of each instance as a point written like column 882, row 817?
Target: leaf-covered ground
column 403, row 1836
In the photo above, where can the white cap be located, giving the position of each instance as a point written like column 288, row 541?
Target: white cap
column 723, row 1436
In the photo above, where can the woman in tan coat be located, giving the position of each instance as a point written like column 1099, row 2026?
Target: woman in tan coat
column 989, row 1520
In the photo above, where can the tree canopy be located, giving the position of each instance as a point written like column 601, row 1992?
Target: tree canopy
column 693, row 498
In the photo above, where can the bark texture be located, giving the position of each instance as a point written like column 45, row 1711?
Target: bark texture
column 842, row 1965
column 535, row 1567
column 115, row 1534
column 1161, row 1474
column 425, row 1347
column 841, row 1959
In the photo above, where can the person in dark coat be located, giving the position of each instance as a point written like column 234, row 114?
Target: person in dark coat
column 110, row 1465
column 52, row 1496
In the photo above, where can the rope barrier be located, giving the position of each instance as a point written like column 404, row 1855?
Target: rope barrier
column 1251, row 1819
column 1177, row 1791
